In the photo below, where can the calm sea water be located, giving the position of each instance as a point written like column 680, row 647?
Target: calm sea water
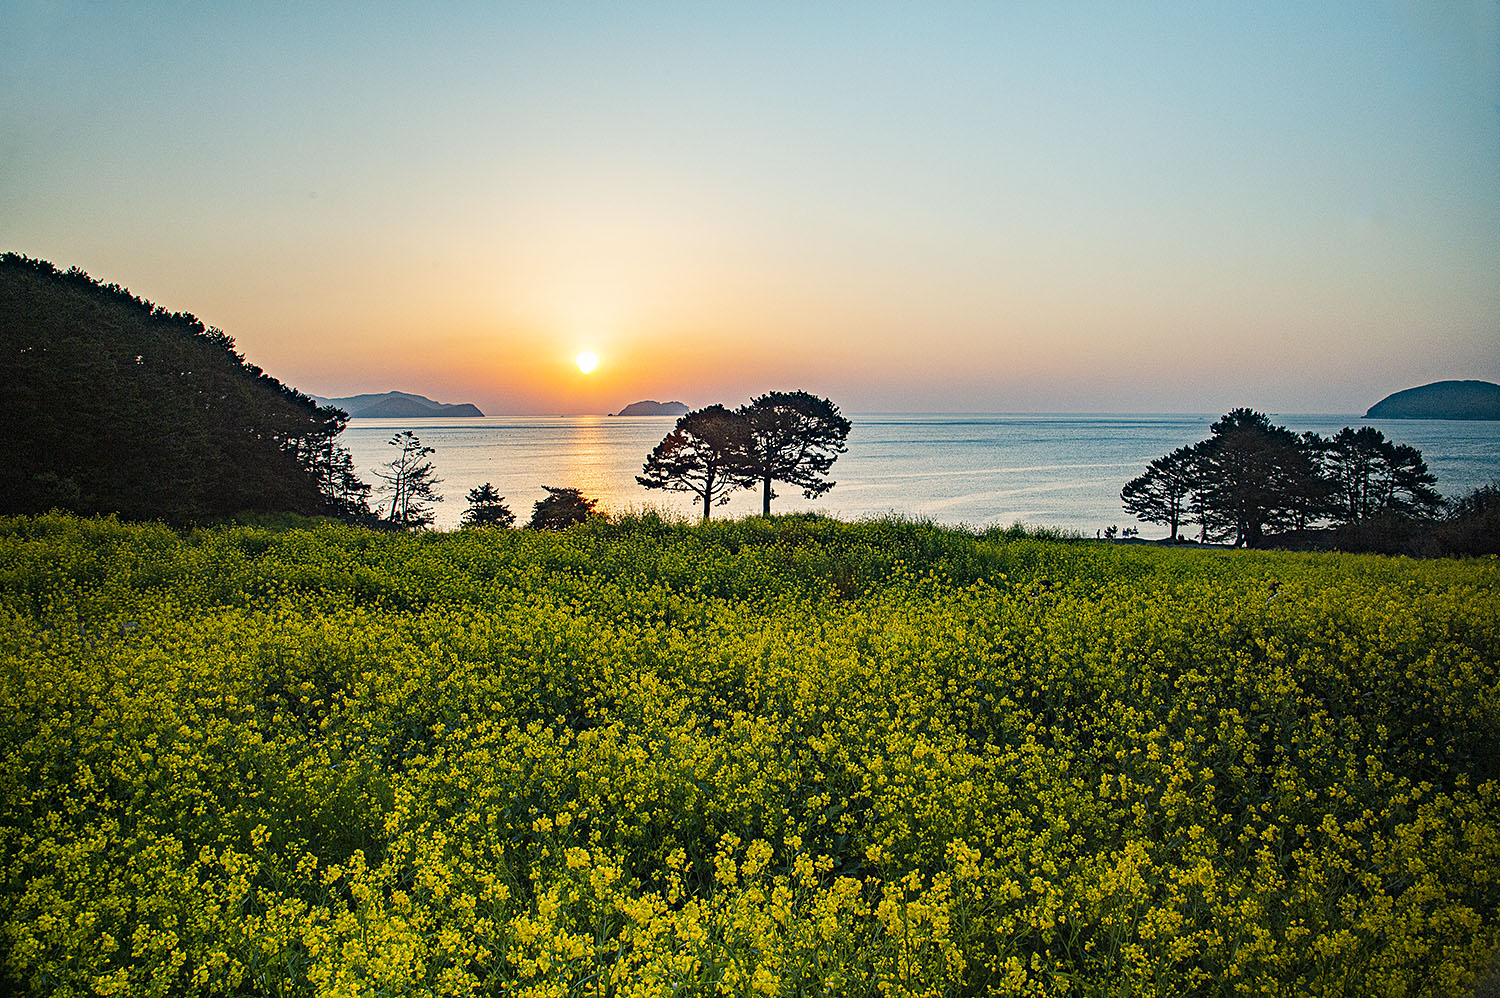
column 1052, row 470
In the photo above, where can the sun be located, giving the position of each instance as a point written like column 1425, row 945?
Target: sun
column 586, row 360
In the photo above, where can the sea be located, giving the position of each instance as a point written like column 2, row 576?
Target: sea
column 1061, row 471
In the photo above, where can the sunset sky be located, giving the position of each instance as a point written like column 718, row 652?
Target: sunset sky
column 939, row 207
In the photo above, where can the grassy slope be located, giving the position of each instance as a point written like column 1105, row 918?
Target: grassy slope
column 795, row 755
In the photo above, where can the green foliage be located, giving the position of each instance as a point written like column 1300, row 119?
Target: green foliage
column 560, row 509
column 1163, row 493
column 1371, row 476
column 790, row 437
column 117, row 405
column 1473, row 523
column 1252, row 476
column 785, row 756
column 1251, row 480
column 410, row 481
column 487, row 509
column 704, row 454
column 793, row 437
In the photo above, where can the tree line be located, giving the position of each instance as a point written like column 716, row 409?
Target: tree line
column 787, row 437
column 559, row 509
column 121, row 406
column 1252, row 483
column 409, row 481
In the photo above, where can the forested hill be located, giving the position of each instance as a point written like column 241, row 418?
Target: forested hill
column 651, row 407
column 397, row 405
column 119, row 406
column 1441, row 400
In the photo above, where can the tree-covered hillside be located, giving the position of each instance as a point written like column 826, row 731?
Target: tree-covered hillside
column 1441, row 400
column 120, row 406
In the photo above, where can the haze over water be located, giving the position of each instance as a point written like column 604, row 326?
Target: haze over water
column 1054, row 470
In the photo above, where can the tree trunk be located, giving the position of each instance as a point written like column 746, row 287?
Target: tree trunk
column 706, row 503
column 765, row 497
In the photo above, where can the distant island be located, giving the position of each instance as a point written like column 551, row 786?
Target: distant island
column 651, row 407
column 397, row 405
column 1441, row 400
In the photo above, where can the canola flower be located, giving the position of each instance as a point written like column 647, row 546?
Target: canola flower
column 789, row 757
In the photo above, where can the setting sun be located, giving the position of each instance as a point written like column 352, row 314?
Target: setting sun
column 586, row 360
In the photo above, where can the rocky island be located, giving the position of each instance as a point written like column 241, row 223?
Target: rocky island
column 651, row 407
column 1441, row 400
column 397, row 405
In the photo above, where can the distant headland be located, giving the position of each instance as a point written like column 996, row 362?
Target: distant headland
column 398, row 405
column 1441, row 400
column 651, row 407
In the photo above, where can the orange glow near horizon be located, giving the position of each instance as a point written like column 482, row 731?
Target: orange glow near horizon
column 888, row 226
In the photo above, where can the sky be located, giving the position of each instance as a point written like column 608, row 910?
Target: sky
column 903, row 207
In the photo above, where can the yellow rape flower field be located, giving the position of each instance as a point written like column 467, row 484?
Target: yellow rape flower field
column 786, row 757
